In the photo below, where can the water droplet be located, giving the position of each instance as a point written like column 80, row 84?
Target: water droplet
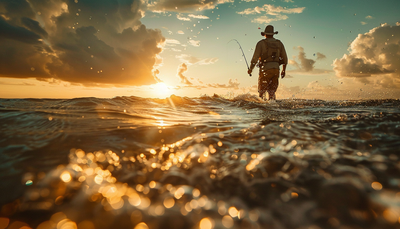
column 376, row 185
column 141, row 226
column 206, row 223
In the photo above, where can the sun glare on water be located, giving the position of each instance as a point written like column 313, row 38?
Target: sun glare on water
column 161, row 90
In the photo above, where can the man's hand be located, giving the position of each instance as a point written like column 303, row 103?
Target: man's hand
column 283, row 74
column 249, row 71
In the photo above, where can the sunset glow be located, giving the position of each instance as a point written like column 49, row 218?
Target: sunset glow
column 161, row 90
column 67, row 49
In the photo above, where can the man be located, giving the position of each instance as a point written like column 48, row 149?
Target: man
column 271, row 53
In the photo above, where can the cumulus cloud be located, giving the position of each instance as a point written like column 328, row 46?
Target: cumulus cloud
column 182, row 69
column 185, row 6
column 375, row 53
column 98, row 42
column 306, row 65
column 273, row 13
column 233, row 84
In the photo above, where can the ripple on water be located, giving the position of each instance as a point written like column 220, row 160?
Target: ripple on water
column 208, row 162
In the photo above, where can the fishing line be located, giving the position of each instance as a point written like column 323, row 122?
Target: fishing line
column 242, row 53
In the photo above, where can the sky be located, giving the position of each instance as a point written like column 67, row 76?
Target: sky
column 342, row 49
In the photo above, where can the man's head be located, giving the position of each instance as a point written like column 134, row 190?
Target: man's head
column 269, row 31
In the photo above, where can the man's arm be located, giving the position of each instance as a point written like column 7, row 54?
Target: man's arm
column 283, row 72
column 284, row 60
column 256, row 56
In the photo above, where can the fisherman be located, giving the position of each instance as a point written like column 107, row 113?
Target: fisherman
column 270, row 53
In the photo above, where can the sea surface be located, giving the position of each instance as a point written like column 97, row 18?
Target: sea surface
column 199, row 163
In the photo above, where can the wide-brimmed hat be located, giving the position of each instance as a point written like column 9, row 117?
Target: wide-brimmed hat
column 269, row 30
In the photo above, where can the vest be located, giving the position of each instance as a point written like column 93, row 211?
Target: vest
column 271, row 51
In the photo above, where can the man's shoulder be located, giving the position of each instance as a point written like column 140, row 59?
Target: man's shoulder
column 277, row 40
column 270, row 40
column 260, row 41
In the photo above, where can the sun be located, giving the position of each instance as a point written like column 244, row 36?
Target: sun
column 162, row 90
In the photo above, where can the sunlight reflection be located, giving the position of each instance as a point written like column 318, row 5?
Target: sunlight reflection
column 161, row 123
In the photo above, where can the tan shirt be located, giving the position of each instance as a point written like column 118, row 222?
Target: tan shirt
column 260, row 48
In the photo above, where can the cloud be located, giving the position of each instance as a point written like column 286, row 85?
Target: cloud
column 194, row 43
column 316, row 90
column 18, row 84
column 18, row 33
column 320, row 56
column 375, row 53
column 198, row 16
column 94, row 43
column 172, row 42
column 180, row 17
column 273, row 13
column 188, row 59
column 268, row 19
column 234, row 84
column 186, row 6
column 191, row 60
column 182, row 69
column 305, row 65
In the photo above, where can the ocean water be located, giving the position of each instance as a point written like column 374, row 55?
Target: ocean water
column 206, row 162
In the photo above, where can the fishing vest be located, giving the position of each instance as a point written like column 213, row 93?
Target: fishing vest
column 271, row 51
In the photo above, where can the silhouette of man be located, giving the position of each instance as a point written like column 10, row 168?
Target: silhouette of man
column 270, row 53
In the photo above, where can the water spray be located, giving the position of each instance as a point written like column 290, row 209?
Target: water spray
column 242, row 53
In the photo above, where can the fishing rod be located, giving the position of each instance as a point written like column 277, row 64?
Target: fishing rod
column 242, row 53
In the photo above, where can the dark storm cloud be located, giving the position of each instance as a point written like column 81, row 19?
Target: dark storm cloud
column 34, row 26
column 375, row 53
column 98, row 42
column 18, row 33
